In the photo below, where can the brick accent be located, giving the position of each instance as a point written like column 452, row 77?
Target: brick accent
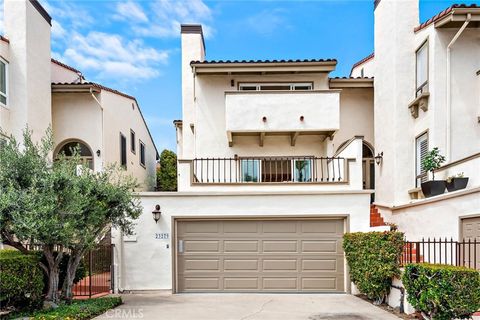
column 376, row 218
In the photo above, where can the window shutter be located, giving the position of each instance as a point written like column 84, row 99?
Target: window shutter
column 421, row 153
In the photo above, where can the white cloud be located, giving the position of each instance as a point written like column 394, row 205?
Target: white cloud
column 111, row 56
column 267, row 22
column 57, row 30
column 168, row 15
column 158, row 121
column 130, row 11
column 2, row 28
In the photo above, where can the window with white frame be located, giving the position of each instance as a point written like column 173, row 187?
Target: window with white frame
column 421, row 150
column 421, row 84
column 275, row 86
column 3, row 82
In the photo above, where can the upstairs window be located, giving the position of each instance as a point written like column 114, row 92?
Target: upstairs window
column 123, row 151
column 132, row 141
column 3, row 82
column 421, row 150
column 142, row 154
column 421, row 69
column 275, row 86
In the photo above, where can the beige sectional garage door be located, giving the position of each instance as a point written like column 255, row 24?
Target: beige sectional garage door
column 471, row 232
column 260, row 255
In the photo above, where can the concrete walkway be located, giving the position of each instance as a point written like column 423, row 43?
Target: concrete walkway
column 232, row 306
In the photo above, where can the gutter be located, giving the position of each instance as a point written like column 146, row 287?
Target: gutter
column 103, row 134
column 449, row 85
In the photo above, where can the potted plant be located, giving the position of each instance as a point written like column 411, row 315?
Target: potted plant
column 433, row 160
column 457, row 182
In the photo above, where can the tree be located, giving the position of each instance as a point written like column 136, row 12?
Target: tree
column 432, row 161
column 167, row 172
column 57, row 206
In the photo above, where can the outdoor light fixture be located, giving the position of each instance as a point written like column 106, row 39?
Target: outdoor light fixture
column 98, row 153
column 379, row 158
column 264, row 119
column 156, row 213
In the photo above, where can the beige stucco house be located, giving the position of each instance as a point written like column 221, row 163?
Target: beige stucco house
column 276, row 159
column 39, row 91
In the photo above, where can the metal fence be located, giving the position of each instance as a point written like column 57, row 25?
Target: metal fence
column 443, row 251
column 269, row 170
column 99, row 273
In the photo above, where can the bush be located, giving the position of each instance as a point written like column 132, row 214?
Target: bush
column 77, row 310
column 373, row 258
column 21, row 280
column 442, row 292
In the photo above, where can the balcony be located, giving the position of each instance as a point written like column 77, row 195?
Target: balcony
column 269, row 170
column 291, row 113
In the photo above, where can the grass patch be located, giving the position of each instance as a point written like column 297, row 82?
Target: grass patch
column 77, row 310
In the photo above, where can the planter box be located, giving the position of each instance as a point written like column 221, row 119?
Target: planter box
column 433, row 188
column 457, row 184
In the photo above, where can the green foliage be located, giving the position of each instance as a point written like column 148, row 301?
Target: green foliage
column 77, row 310
column 80, row 273
column 167, row 173
column 21, row 280
column 433, row 160
column 443, row 292
column 373, row 258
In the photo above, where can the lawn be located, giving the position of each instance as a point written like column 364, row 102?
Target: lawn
column 77, row 310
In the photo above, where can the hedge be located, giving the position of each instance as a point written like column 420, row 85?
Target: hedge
column 373, row 258
column 21, row 280
column 442, row 292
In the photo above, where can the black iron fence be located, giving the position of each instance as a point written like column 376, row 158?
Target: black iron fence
column 269, row 170
column 443, row 251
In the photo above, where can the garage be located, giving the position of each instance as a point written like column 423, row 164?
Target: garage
column 259, row 255
column 471, row 232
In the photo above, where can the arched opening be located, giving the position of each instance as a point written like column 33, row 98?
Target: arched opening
column 67, row 149
column 368, row 167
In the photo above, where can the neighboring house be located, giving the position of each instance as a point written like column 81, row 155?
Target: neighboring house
column 427, row 94
column 275, row 163
column 38, row 91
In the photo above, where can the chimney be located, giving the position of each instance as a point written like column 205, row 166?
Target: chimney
column 27, row 27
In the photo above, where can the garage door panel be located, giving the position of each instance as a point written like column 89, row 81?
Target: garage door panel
column 261, row 255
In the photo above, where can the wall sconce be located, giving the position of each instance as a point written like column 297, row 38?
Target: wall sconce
column 302, row 118
column 232, row 83
column 98, row 153
column 156, row 213
column 264, row 119
column 379, row 158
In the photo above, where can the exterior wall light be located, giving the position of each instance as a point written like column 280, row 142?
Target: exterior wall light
column 379, row 158
column 98, row 153
column 264, row 119
column 156, row 213
column 301, row 118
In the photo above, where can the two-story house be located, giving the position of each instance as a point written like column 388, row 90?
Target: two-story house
column 41, row 92
column 275, row 163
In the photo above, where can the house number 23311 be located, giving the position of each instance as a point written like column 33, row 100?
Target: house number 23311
column 162, row 236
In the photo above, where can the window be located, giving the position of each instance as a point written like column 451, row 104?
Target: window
column 275, row 86
column 276, row 170
column 421, row 147
column 250, row 170
column 421, row 69
column 132, row 141
column 142, row 153
column 303, row 170
column 123, row 151
column 3, row 82
column 69, row 148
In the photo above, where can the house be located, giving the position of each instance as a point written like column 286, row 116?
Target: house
column 42, row 92
column 276, row 159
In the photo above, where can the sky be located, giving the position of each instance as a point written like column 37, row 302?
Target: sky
column 134, row 46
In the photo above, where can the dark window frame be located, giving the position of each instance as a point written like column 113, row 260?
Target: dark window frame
column 123, row 153
column 142, row 153
column 133, row 142
column 423, row 87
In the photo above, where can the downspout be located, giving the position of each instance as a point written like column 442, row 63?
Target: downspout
column 101, row 107
column 449, row 84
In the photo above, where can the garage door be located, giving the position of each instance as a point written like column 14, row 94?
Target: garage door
column 471, row 232
column 260, row 255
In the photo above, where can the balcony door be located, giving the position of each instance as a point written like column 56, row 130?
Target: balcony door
column 277, row 170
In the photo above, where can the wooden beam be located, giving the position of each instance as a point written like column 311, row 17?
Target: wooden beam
column 230, row 139
column 294, row 137
column 262, row 139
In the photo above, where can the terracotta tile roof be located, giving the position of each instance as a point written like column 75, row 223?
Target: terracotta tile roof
column 367, row 58
column 352, row 78
column 263, row 61
column 4, row 39
column 443, row 14
column 66, row 66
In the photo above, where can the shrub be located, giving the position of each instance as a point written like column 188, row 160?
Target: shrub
column 373, row 258
column 442, row 292
column 21, row 280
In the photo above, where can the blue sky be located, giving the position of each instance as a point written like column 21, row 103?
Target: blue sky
column 134, row 46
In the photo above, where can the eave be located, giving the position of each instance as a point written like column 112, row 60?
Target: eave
column 339, row 83
column 263, row 68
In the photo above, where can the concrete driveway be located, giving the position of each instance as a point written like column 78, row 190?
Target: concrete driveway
column 232, row 306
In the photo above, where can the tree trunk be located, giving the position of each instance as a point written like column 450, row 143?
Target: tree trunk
column 73, row 262
column 53, row 273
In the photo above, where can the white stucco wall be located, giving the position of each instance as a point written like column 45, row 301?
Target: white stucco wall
column 368, row 69
column 145, row 263
column 63, row 75
column 30, row 96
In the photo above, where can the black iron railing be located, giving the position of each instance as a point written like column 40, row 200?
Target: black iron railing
column 269, row 170
column 443, row 251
